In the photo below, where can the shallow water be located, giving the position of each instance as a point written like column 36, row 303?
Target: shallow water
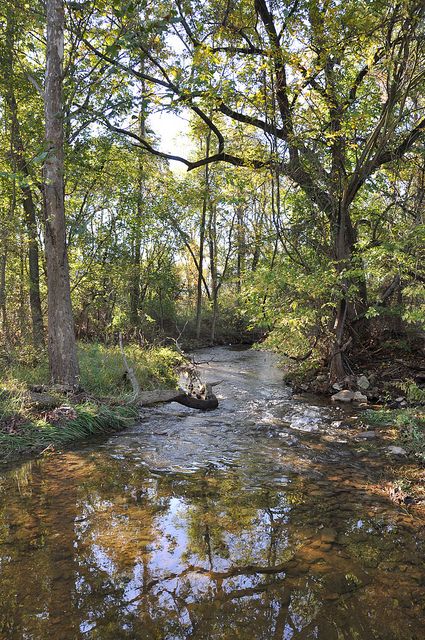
column 263, row 520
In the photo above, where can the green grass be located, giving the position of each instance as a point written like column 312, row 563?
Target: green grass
column 92, row 420
column 101, row 368
column 102, row 378
column 410, row 424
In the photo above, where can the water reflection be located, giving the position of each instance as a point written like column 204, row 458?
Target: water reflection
column 98, row 548
column 251, row 544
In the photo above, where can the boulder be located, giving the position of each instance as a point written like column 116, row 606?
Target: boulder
column 366, row 435
column 343, row 396
column 41, row 401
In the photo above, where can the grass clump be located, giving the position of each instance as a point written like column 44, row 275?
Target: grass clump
column 103, row 372
column 88, row 420
column 409, row 423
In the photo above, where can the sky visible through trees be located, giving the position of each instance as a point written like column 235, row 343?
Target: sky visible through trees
column 300, row 218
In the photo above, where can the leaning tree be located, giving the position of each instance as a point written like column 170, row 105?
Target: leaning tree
column 329, row 93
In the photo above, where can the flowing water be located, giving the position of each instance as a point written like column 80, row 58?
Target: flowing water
column 264, row 519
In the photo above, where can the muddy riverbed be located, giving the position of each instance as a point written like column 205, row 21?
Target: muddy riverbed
column 265, row 519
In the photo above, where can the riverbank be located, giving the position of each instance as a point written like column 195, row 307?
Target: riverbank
column 387, row 385
column 35, row 416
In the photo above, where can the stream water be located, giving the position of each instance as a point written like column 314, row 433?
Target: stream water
column 264, row 519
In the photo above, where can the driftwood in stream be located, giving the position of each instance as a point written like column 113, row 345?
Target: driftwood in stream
column 198, row 395
column 157, row 396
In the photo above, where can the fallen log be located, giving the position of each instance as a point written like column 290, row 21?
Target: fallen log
column 205, row 404
column 200, row 397
column 158, row 396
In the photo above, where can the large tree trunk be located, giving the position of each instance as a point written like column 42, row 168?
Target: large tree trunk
column 62, row 346
column 345, row 239
column 344, row 245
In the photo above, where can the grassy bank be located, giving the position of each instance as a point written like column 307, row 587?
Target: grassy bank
column 31, row 422
column 408, row 424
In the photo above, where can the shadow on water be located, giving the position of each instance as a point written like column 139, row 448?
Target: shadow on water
column 260, row 520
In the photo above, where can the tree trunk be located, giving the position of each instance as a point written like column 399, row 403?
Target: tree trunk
column 3, row 262
column 241, row 248
column 135, row 279
column 22, row 313
column 137, row 240
column 343, row 246
column 201, row 243
column 27, row 196
column 212, row 230
column 34, row 271
column 62, row 346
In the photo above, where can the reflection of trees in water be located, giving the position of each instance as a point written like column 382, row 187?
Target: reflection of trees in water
column 215, row 556
column 125, row 554
column 38, row 570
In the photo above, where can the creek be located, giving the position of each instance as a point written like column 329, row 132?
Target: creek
column 264, row 519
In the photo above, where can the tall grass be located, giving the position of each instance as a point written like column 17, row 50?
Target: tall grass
column 101, row 368
column 102, row 377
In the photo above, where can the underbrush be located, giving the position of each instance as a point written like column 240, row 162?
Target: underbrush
column 410, row 425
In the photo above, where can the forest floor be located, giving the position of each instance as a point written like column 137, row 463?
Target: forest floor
column 36, row 416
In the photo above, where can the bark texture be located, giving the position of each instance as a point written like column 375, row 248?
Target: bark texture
column 62, row 347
